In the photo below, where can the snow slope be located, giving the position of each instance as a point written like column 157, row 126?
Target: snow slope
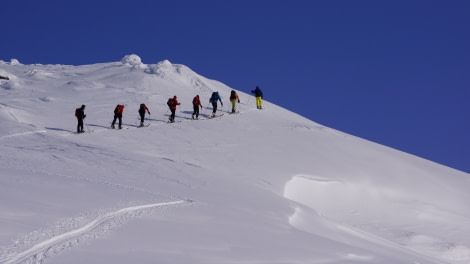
column 262, row 186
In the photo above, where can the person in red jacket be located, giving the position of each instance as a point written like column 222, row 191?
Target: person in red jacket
column 196, row 105
column 142, row 110
column 118, row 115
column 172, row 103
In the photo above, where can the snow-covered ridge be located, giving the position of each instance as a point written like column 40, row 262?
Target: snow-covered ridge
column 270, row 186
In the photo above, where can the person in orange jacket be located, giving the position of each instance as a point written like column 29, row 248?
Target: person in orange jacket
column 172, row 103
column 118, row 115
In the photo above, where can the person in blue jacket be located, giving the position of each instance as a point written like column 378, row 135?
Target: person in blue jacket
column 213, row 100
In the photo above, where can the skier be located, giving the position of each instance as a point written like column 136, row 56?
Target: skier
column 80, row 114
column 118, row 115
column 172, row 103
column 234, row 99
column 259, row 97
column 196, row 105
column 142, row 109
column 214, row 98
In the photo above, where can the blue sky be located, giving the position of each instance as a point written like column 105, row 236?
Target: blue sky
column 393, row 72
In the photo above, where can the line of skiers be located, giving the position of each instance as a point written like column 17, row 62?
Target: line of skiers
column 172, row 104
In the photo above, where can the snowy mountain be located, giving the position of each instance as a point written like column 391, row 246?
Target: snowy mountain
column 261, row 186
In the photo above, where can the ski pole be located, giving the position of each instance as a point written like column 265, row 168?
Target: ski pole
column 86, row 125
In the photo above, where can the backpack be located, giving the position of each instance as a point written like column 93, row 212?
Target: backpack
column 170, row 102
column 233, row 95
column 214, row 96
column 142, row 107
column 117, row 109
column 195, row 101
column 76, row 112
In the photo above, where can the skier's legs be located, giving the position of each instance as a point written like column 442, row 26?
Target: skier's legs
column 120, row 120
column 114, row 120
column 214, row 108
column 195, row 110
column 259, row 102
column 234, row 106
column 80, row 126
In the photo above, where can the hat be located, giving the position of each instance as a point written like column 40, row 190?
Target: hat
column 83, row 106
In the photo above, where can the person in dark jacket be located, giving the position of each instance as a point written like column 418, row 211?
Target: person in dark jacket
column 142, row 110
column 213, row 100
column 80, row 114
column 196, row 105
column 172, row 103
column 118, row 115
column 259, row 97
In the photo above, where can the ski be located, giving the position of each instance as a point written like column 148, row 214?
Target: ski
column 194, row 119
column 215, row 116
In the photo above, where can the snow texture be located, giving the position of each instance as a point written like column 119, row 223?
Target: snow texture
column 257, row 187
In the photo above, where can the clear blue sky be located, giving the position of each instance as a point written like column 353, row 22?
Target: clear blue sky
column 393, row 72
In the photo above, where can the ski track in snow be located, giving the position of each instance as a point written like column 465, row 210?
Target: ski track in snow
column 41, row 251
column 23, row 133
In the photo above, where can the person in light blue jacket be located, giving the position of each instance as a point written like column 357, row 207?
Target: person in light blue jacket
column 213, row 100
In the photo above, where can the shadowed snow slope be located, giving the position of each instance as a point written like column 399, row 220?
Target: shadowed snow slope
column 261, row 186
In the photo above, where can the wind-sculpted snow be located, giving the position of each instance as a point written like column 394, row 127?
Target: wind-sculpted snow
column 41, row 251
column 132, row 59
column 270, row 185
column 356, row 203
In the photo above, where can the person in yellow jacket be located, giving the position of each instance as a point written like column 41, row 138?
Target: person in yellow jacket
column 234, row 99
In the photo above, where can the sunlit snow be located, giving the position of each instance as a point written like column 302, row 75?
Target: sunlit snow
column 261, row 186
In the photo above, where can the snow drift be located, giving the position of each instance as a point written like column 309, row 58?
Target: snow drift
column 261, row 186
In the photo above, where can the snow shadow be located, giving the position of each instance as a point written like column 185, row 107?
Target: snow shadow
column 59, row 129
